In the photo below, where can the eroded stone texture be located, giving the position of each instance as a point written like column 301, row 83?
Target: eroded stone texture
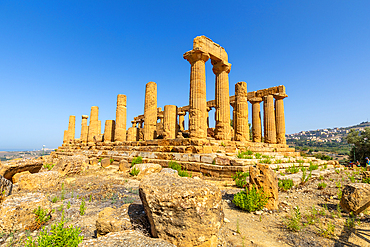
column 183, row 211
column 269, row 119
column 6, row 186
column 256, row 119
column 65, row 136
column 280, row 118
column 71, row 128
column 8, row 169
column 42, row 180
column 147, row 168
column 170, row 122
column 150, row 111
column 16, row 212
column 263, row 176
column 197, row 98
column 84, row 129
column 94, row 124
column 182, row 120
column 121, row 111
column 109, row 130
column 205, row 44
column 222, row 116
column 355, row 197
column 241, row 126
column 132, row 134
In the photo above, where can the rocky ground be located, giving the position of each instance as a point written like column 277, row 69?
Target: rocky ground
column 322, row 222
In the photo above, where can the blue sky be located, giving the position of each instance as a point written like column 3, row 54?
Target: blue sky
column 59, row 58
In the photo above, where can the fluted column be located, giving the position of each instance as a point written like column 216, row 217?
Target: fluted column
column 256, row 119
column 150, row 111
column 269, row 119
column 170, row 122
column 197, row 97
column 241, row 127
column 109, row 130
column 94, row 124
column 182, row 120
column 222, row 98
column 132, row 132
column 280, row 118
column 71, row 128
column 120, row 130
column 84, row 128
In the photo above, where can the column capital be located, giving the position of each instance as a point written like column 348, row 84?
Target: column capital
column 280, row 95
column 85, row 117
column 255, row 100
column 221, row 66
column 181, row 113
column 196, row 55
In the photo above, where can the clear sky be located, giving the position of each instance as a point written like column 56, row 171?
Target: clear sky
column 59, row 58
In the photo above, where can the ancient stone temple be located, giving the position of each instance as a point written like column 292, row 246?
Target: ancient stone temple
column 160, row 136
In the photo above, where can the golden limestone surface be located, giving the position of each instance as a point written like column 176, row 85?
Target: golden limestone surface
column 120, row 132
column 170, row 122
column 94, row 129
column 84, row 129
column 256, row 119
column 241, row 130
column 150, row 111
column 109, row 131
column 269, row 119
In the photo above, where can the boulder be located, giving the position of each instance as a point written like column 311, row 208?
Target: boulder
column 126, row 238
column 70, row 165
column 147, row 168
column 181, row 210
column 126, row 217
column 16, row 212
column 105, row 162
column 355, row 197
column 262, row 175
column 124, row 166
column 39, row 181
column 16, row 177
column 8, row 169
column 6, row 186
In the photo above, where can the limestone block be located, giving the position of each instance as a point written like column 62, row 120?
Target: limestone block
column 16, row 177
column 38, row 181
column 105, row 162
column 263, row 176
column 6, row 186
column 109, row 130
column 222, row 161
column 150, row 111
column 194, row 157
column 16, row 212
column 209, row 158
column 183, row 211
column 133, row 134
column 170, row 122
column 355, row 197
column 147, row 168
column 207, row 45
column 8, row 169
column 124, row 166
column 169, row 171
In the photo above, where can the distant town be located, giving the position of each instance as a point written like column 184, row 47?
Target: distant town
column 9, row 155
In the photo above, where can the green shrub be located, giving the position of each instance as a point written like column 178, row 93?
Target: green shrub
column 279, row 161
column 48, row 166
column 305, row 178
column 294, row 221
column 82, row 207
column 293, row 169
column 185, row 173
column 321, row 186
column 257, row 155
column 137, row 160
column 240, row 179
column 176, row 166
column 285, row 184
column 251, row 200
column 55, row 199
column 352, row 178
column 266, row 161
column 366, row 180
column 337, row 171
column 58, row 236
column 111, row 160
column 42, row 216
column 313, row 167
column 245, row 155
column 134, row 171
column 300, row 161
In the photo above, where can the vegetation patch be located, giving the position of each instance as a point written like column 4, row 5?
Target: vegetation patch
column 136, row 160
column 251, row 200
column 285, row 184
column 240, row 179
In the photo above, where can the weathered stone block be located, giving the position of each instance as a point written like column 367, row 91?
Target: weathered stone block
column 105, row 162
column 355, row 197
column 147, row 168
column 41, row 180
column 184, row 211
column 5, row 186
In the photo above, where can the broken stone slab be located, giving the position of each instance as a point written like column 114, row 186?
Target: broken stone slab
column 147, row 168
column 169, row 171
column 183, row 211
column 16, row 212
column 355, row 197
column 262, row 175
column 126, row 217
column 16, row 177
column 126, row 238
column 8, row 169
column 124, row 166
column 38, row 181
column 6, row 186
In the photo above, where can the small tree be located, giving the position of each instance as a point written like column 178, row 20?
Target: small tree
column 361, row 142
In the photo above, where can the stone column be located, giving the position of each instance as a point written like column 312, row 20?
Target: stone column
column 182, row 120
column 208, row 110
column 71, row 128
column 197, row 97
column 150, row 111
column 280, row 118
column 170, row 122
column 120, row 131
column 132, row 132
column 269, row 119
column 99, row 127
column 84, row 129
column 65, row 136
column 241, row 127
column 94, row 124
column 222, row 98
column 256, row 119
column 109, row 130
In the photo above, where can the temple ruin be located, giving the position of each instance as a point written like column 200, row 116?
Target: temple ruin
column 160, row 136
